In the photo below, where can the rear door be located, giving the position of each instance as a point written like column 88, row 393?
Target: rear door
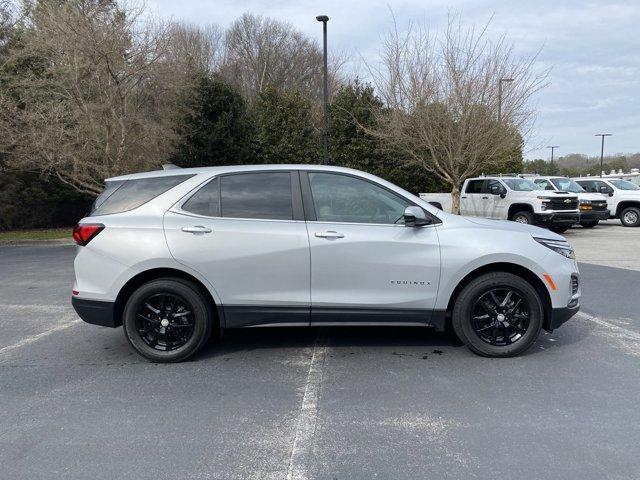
column 245, row 233
column 473, row 199
column 366, row 266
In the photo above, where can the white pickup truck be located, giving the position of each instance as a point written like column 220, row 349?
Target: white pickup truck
column 623, row 197
column 512, row 198
column 593, row 206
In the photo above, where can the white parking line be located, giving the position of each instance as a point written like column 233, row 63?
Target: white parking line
column 624, row 332
column 34, row 338
column 306, row 425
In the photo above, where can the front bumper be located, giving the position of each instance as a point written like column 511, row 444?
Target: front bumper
column 559, row 316
column 591, row 215
column 96, row 312
column 557, row 218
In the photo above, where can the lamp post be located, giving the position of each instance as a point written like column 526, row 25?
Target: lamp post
column 325, row 91
column 500, row 96
column 602, row 148
column 552, row 147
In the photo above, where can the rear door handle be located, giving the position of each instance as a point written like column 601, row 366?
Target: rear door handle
column 485, row 198
column 197, row 229
column 329, row 234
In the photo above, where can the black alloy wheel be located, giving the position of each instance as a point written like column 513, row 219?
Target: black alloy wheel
column 168, row 319
column 165, row 321
column 500, row 316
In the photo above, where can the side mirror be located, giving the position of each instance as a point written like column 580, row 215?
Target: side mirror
column 415, row 217
column 498, row 190
column 610, row 193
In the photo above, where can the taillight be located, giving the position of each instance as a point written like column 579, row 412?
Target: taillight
column 83, row 233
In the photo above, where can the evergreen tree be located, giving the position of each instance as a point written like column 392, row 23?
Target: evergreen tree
column 285, row 132
column 216, row 128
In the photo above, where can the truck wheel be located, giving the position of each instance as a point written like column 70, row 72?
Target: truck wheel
column 167, row 320
column 558, row 229
column 522, row 217
column 498, row 314
column 591, row 224
column 630, row 217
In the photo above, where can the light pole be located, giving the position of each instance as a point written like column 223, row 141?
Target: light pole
column 500, row 96
column 325, row 91
column 552, row 147
column 602, row 148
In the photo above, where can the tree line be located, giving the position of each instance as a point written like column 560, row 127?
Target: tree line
column 91, row 89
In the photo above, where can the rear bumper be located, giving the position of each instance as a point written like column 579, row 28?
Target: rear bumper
column 560, row 316
column 95, row 312
column 557, row 218
column 591, row 215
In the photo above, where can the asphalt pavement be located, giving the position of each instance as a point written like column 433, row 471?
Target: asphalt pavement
column 333, row 403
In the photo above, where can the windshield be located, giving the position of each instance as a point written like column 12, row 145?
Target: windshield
column 624, row 185
column 521, row 184
column 567, row 185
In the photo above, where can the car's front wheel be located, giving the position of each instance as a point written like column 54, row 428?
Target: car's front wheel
column 167, row 320
column 498, row 314
column 630, row 217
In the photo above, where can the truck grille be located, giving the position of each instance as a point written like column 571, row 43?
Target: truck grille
column 561, row 204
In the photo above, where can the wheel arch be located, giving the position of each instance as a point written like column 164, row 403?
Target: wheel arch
column 163, row 272
column 519, row 207
column 513, row 268
column 625, row 204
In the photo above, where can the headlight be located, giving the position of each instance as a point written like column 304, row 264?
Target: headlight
column 585, row 202
column 546, row 199
column 559, row 246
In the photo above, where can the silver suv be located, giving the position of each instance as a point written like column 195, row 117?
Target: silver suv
column 180, row 255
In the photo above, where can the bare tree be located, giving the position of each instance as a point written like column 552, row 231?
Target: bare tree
column 261, row 52
column 196, row 48
column 87, row 95
column 441, row 98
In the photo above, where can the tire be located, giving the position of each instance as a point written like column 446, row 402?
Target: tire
column 182, row 335
column 511, row 338
column 590, row 224
column 630, row 217
column 522, row 217
column 559, row 229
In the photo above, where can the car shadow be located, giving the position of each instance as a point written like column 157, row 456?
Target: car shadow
column 246, row 340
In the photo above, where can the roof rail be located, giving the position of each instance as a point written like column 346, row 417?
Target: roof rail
column 170, row 166
column 499, row 175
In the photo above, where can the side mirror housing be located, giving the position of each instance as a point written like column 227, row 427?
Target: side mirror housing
column 610, row 193
column 415, row 217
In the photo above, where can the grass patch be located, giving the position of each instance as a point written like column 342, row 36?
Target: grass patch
column 40, row 234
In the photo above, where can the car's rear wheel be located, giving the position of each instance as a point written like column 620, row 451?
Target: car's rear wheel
column 498, row 315
column 630, row 217
column 167, row 320
column 590, row 224
column 522, row 217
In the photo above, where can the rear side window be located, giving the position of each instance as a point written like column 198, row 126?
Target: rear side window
column 205, row 201
column 130, row 194
column 474, row 186
column 257, row 195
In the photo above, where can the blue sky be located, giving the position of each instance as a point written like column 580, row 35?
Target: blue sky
column 592, row 48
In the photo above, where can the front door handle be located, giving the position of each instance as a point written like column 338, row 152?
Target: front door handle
column 485, row 198
column 464, row 196
column 329, row 234
column 196, row 229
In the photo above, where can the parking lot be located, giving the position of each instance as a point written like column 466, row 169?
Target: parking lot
column 333, row 403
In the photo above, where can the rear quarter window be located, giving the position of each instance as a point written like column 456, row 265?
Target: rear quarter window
column 126, row 195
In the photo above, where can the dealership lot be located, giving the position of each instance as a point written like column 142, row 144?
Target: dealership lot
column 323, row 403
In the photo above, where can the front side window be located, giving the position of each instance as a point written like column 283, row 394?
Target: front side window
column 544, row 184
column 263, row 195
column 624, row 185
column 588, row 185
column 567, row 185
column 520, row 184
column 130, row 194
column 341, row 198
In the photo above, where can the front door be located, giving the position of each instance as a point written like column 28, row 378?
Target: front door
column 245, row 233
column 366, row 266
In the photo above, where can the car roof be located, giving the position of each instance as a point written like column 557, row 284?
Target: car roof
column 231, row 169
